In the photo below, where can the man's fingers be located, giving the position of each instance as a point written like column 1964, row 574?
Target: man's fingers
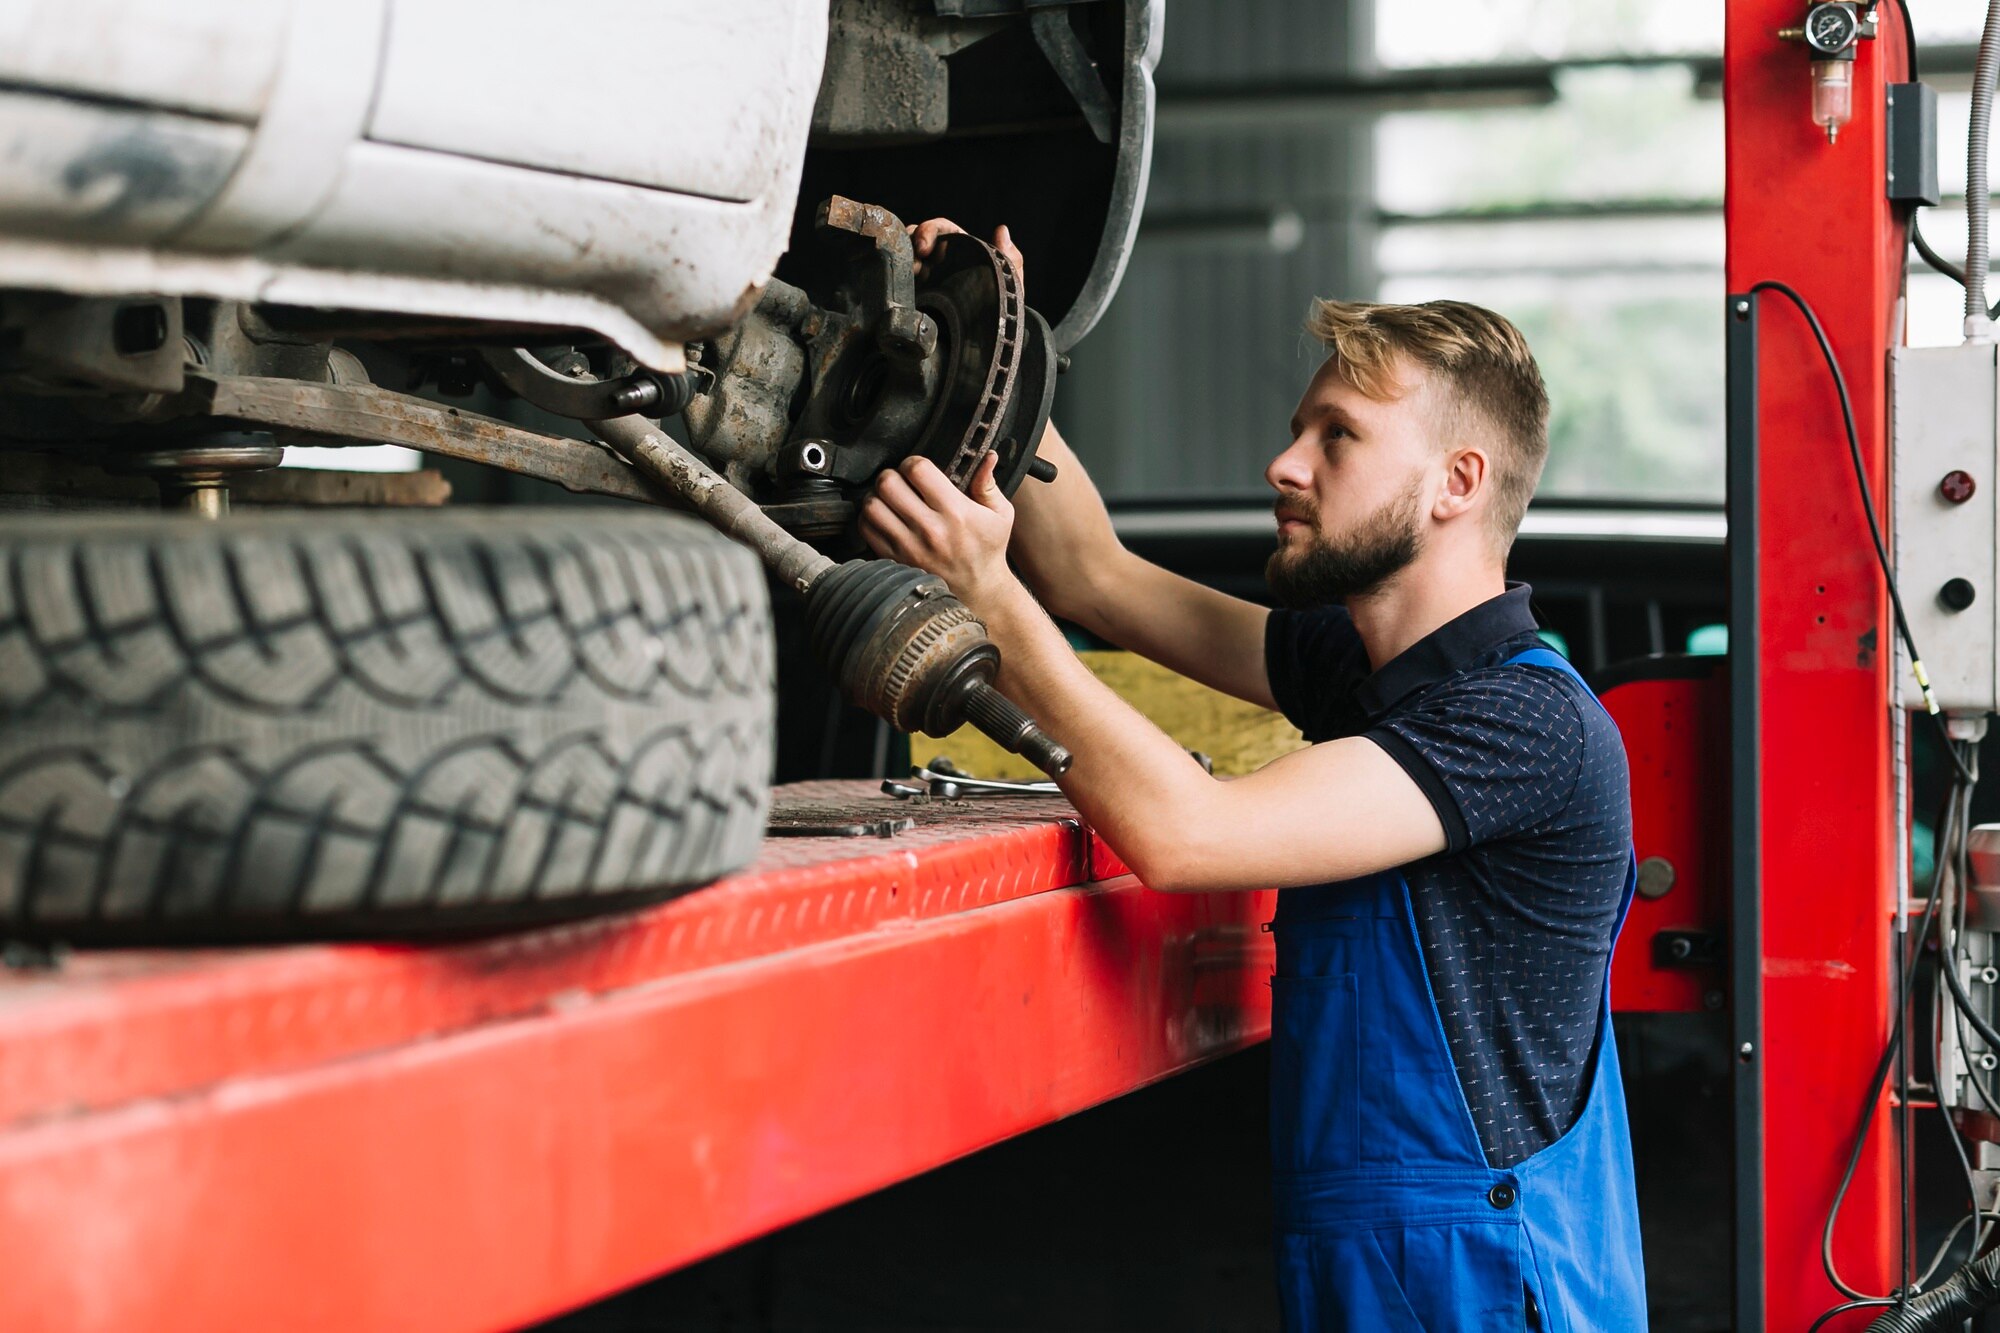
column 917, row 517
column 924, row 235
column 872, row 539
column 1003, row 241
column 930, row 483
column 984, row 489
column 883, row 531
column 894, row 491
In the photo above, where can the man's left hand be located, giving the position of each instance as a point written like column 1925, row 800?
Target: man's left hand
column 918, row 517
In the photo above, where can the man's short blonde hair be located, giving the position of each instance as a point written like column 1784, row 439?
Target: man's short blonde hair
column 1478, row 363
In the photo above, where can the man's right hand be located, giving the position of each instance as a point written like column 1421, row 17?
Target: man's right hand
column 1063, row 535
column 924, row 237
column 1068, row 553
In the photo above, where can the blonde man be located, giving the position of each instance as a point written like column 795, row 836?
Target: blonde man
column 1448, row 1128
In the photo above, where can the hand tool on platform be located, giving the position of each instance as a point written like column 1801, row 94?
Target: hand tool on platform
column 952, row 785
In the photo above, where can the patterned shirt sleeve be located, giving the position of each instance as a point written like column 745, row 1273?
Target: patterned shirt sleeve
column 1497, row 751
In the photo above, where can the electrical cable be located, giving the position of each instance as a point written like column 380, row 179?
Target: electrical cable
column 1876, row 1084
column 1985, row 1232
column 1951, row 830
column 1908, row 962
column 1952, row 834
column 1906, row 1164
column 1938, row 261
column 1972, row 1080
column 1847, row 1307
column 1948, row 817
column 1865, row 1303
column 1971, row 1194
column 1957, row 1228
column 1964, row 862
column 1975, row 1284
column 1868, row 504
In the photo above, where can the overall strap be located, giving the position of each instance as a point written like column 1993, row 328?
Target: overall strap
column 1549, row 657
column 1579, row 1199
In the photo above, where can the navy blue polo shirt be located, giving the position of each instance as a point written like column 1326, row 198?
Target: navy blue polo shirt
column 1517, row 916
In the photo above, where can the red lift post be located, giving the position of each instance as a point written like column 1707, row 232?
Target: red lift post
column 1812, row 651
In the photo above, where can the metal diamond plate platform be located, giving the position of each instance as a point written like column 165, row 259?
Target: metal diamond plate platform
column 479, row 1134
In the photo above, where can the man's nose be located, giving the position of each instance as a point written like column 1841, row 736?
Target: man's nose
column 1290, row 470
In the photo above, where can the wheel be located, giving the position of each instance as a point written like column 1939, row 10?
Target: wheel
column 311, row 724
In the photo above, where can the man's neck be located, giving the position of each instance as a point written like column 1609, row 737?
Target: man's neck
column 1428, row 594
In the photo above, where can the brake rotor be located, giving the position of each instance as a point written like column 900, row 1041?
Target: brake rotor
column 999, row 379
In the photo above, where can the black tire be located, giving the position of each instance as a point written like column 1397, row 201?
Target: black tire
column 309, row 724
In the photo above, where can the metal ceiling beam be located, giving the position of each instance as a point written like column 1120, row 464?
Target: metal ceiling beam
column 1231, row 107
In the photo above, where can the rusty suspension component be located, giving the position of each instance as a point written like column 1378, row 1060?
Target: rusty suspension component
column 657, row 455
column 894, row 638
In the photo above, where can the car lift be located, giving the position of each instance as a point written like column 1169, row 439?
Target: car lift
column 1815, row 748
column 481, row 1134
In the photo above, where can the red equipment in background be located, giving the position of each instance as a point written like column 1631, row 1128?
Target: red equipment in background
column 1671, row 955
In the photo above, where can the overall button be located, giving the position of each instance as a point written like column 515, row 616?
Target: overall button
column 1501, row 1195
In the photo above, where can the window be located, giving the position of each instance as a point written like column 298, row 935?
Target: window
column 1593, row 221
column 1477, row 32
column 1559, row 160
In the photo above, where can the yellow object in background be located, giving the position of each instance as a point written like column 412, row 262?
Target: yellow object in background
column 1240, row 737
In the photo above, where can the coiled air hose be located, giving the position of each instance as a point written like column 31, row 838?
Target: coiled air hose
column 1978, row 137
column 1972, row 1289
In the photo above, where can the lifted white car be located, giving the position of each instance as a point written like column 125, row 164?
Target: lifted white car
column 227, row 226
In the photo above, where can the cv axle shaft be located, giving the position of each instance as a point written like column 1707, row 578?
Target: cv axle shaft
column 895, row 639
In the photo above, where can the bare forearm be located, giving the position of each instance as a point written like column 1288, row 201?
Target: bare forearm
column 1190, row 629
column 1063, row 541
column 1142, row 792
column 1068, row 552
column 1329, row 812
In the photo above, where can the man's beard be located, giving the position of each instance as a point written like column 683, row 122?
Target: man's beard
column 1328, row 570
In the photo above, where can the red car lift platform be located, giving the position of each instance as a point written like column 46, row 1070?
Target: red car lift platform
column 476, row 1135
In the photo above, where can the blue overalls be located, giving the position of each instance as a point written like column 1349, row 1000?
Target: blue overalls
column 1387, row 1215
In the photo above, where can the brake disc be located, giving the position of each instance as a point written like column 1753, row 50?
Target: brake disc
column 999, row 377
column 951, row 366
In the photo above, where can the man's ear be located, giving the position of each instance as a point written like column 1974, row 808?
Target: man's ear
column 1465, row 480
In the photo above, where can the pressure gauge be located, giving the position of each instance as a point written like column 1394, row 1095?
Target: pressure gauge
column 1829, row 33
column 1832, row 28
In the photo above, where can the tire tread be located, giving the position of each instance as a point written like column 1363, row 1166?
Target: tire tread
column 357, row 724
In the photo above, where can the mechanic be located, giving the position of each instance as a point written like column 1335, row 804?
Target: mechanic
column 1448, row 1128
